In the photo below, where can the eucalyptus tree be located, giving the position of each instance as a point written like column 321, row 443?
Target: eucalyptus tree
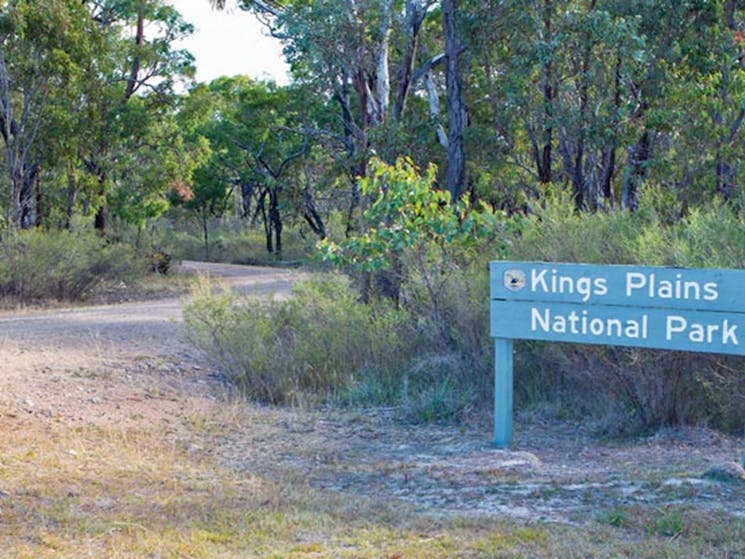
column 258, row 134
column 603, row 96
column 709, row 95
column 370, row 57
column 130, row 96
column 44, row 48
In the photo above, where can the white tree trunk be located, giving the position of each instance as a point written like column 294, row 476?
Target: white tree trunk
column 434, row 109
column 383, row 78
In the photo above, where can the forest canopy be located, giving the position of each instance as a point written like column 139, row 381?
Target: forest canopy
column 512, row 101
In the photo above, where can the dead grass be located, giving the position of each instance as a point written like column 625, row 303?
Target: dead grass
column 85, row 491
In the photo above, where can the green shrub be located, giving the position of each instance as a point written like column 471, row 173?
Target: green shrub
column 432, row 355
column 418, row 248
column 641, row 389
column 64, row 265
column 321, row 342
column 324, row 344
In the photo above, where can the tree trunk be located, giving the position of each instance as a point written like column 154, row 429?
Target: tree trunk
column 275, row 220
column 19, row 137
column 310, row 212
column 132, row 81
column 726, row 173
column 72, row 195
column 102, row 219
column 606, row 177
column 434, row 110
column 204, row 222
column 415, row 14
column 545, row 174
column 247, row 191
column 383, row 77
column 609, row 151
column 578, row 176
column 266, row 222
column 635, row 172
column 39, row 195
column 456, row 156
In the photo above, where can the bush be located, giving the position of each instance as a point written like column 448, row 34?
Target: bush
column 641, row 390
column 64, row 265
column 324, row 344
column 432, row 355
column 319, row 343
column 416, row 248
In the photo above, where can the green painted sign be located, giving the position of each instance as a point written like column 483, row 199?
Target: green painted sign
column 700, row 310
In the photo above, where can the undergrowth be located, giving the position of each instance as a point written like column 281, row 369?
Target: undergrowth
column 631, row 390
column 323, row 345
column 64, row 265
column 421, row 341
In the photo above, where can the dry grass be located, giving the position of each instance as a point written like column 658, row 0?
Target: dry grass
column 92, row 492
column 80, row 490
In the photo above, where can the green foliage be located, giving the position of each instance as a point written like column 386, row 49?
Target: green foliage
column 65, row 265
column 413, row 243
column 644, row 389
column 412, row 232
column 324, row 344
column 406, row 217
column 660, row 233
column 316, row 344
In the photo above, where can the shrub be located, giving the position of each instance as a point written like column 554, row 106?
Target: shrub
column 65, row 265
column 641, row 390
column 432, row 354
column 321, row 342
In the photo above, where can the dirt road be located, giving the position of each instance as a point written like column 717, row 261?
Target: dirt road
column 52, row 362
column 130, row 365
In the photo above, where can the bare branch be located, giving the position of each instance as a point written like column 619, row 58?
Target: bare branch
column 426, row 67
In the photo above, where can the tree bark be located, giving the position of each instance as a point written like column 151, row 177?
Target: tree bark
column 310, row 212
column 275, row 220
column 636, row 171
column 434, row 110
column 545, row 174
column 132, row 82
column 415, row 14
column 22, row 165
column 456, row 156
column 383, row 77
column 102, row 218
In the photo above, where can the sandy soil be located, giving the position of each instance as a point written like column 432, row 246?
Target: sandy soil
column 118, row 364
column 131, row 365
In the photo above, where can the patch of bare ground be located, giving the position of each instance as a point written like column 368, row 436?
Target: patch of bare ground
column 555, row 472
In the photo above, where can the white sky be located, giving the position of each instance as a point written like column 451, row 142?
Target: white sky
column 229, row 43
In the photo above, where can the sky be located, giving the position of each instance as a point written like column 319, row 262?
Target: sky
column 229, row 43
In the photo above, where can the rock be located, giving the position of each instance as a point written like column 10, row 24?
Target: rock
column 728, row 471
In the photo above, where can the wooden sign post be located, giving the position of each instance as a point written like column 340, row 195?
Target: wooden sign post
column 684, row 309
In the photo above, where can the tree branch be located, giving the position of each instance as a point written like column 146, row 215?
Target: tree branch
column 426, row 67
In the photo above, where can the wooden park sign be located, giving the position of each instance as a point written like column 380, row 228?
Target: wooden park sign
column 699, row 310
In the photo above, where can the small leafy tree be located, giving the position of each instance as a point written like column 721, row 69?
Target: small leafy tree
column 412, row 235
